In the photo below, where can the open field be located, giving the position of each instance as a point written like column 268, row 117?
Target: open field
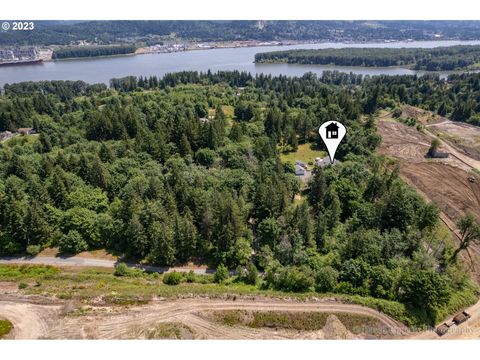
column 304, row 153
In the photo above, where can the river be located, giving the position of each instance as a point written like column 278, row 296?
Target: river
column 96, row 70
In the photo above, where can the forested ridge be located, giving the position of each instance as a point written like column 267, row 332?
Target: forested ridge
column 109, row 32
column 187, row 168
column 448, row 58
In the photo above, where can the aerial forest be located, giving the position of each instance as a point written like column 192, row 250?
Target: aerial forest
column 186, row 168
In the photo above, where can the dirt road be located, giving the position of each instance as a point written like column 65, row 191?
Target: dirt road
column 90, row 262
column 32, row 320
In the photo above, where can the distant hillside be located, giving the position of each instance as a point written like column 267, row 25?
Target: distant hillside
column 106, row 32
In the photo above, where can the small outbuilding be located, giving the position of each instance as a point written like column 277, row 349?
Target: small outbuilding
column 26, row 131
column 439, row 154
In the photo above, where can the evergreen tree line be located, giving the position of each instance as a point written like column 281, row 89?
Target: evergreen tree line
column 436, row 59
column 92, row 51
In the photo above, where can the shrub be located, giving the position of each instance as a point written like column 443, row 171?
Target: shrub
column 190, row 277
column 397, row 112
column 326, row 279
column 435, row 144
column 290, row 278
column 205, row 157
column 121, row 270
column 221, row 274
column 173, row 278
column 296, row 279
column 22, row 285
column 72, row 243
column 251, row 276
column 33, row 250
column 5, row 327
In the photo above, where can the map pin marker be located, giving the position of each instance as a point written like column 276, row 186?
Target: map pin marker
column 332, row 133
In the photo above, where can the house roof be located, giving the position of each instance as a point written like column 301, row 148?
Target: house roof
column 299, row 167
column 325, row 161
column 300, row 163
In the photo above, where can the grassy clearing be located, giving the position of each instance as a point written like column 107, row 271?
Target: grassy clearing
column 228, row 110
column 25, row 272
column 305, row 153
column 5, row 327
column 163, row 330
column 302, row 321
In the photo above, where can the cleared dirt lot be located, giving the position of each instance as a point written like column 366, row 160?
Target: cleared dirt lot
column 464, row 136
column 450, row 183
column 447, row 186
column 35, row 318
column 46, row 318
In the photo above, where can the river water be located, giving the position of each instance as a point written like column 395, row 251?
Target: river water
column 103, row 69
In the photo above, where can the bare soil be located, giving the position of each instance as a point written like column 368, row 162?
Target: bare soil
column 450, row 183
column 464, row 136
column 42, row 318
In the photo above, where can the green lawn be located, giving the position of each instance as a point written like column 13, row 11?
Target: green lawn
column 305, row 153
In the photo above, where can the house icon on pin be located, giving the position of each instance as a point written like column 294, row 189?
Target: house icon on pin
column 332, row 131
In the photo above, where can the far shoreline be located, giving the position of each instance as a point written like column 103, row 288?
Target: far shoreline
column 241, row 44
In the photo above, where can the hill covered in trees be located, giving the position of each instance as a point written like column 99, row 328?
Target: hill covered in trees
column 108, row 32
column 190, row 170
column 435, row 59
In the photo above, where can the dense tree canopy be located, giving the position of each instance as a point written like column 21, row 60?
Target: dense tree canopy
column 92, row 51
column 107, row 32
column 190, row 170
